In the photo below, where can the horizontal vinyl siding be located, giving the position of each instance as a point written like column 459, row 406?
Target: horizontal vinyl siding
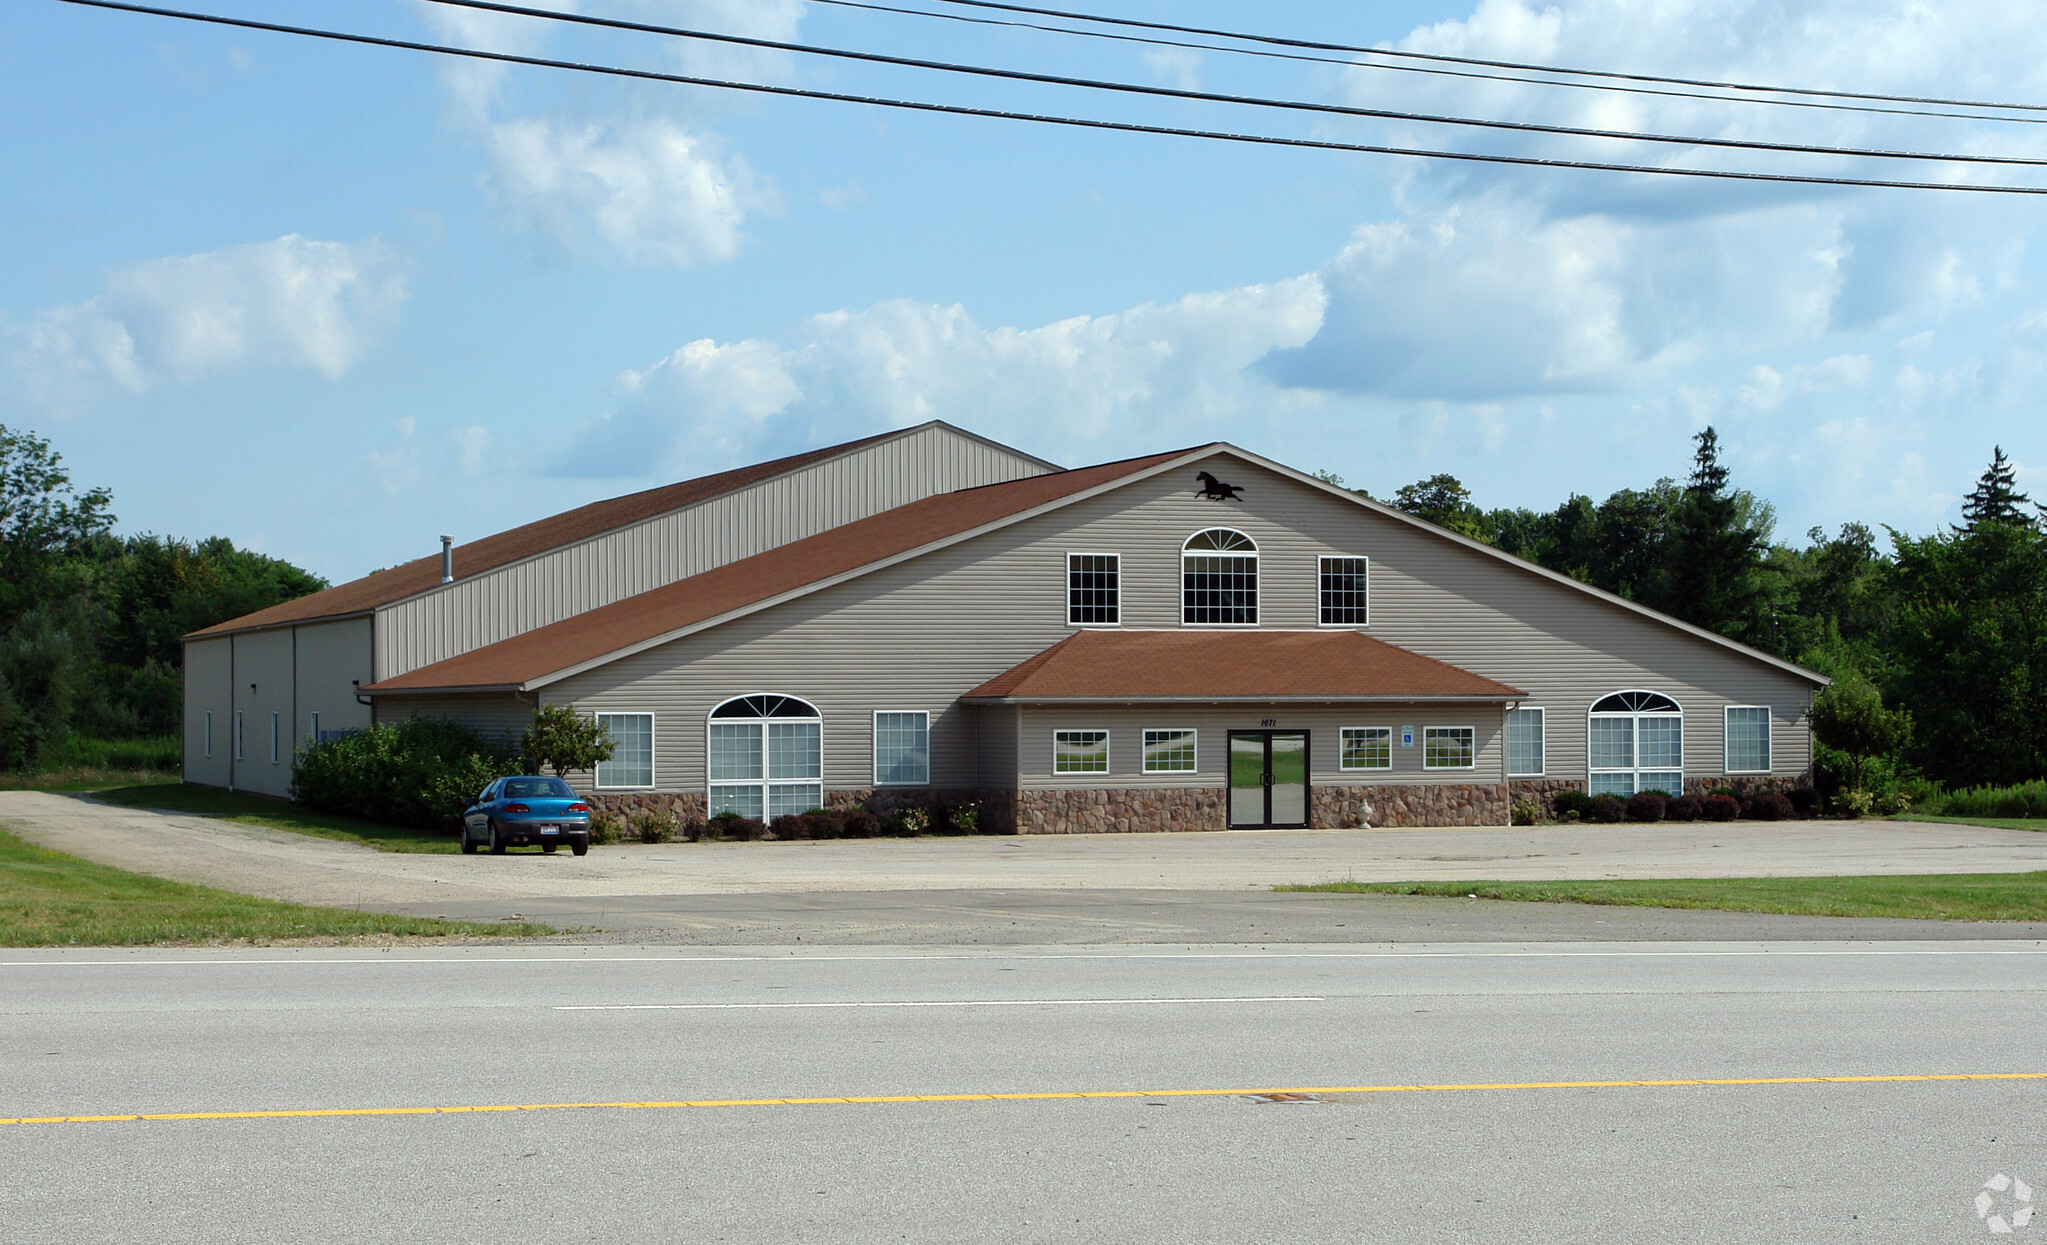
column 998, row 740
column 518, row 598
column 918, row 635
column 1126, row 725
column 501, row 717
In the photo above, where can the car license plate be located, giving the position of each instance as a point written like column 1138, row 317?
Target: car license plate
column 550, row 829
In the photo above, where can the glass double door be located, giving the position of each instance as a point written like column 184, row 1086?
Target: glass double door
column 1268, row 779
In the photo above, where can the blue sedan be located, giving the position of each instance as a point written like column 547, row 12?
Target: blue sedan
column 514, row 811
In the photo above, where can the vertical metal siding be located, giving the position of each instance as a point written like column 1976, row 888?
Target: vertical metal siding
column 494, row 606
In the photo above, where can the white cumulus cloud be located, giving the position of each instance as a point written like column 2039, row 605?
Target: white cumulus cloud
column 295, row 301
column 1173, row 371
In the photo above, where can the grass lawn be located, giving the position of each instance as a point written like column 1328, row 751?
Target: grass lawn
column 85, row 778
column 1935, row 896
column 2001, row 823
column 49, row 899
column 263, row 810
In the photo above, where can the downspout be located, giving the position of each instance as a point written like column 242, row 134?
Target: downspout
column 234, row 736
column 294, row 735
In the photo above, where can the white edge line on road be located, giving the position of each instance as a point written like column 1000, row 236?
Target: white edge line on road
column 485, row 961
column 744, row 1007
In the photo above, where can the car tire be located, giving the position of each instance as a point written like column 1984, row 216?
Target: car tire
column 580, row 849
column 548, row 848
column 468, row 844
column 497, row 847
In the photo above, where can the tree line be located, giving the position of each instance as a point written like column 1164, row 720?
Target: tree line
column 90, row 622
column 1938, row 647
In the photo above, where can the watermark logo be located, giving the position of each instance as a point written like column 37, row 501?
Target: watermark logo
column 2004, row 1204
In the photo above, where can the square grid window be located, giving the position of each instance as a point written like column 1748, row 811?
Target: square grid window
column 902, row 749
column 1169, row 752
column 1094, row 587
column 1080, row 752
column 1367, row 747
column 1748, row 739
column 632, row 756
column 1343, row 582
column 1525, row 743
column 1219, row 589
column 1449, row 747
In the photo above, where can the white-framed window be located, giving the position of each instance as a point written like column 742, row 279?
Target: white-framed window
column 1219, row 579
column 209, row 732
column 238, row 734
column 1094, row 589
column 1366, row 747
column 1449, row 747
column 1635, row 741
column 1080, row 752
column 274, row 741
column 1526, row 754
column 1171, row 751
column 632, row 752
column 1343, row 585
column 902, row 749
column 1748, row 739
column 765, row 757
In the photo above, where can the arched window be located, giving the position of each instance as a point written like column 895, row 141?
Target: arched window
column 765, row 756
column 1636, row 742
column 1219, row 578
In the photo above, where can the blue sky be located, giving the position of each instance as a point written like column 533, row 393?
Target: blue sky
column 333, row 301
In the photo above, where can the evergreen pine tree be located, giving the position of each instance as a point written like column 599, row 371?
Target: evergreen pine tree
column 1713, row 575
column 1995, row 500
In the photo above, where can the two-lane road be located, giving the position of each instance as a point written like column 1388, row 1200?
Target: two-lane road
column 1524, row 1092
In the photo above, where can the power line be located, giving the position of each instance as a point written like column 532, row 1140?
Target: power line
column 1212, row 97
column 1353, row 63
column 1125, row 127
column 1490, row 64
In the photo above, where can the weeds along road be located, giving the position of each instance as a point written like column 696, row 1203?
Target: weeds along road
column 1470, row 1092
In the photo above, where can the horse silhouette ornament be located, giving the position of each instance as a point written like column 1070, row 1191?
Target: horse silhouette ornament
column 1215, row 490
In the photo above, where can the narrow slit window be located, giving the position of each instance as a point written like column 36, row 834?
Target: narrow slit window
column 275, row 742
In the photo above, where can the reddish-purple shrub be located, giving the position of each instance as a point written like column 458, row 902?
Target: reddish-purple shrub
column 1719, row 807
column 1646, row 806
column 1607, row 809
column 861, row 824
column 1769, row 806
column 788, row 826
column 1683, row 808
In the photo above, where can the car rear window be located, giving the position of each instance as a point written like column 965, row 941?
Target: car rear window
column 531, row 787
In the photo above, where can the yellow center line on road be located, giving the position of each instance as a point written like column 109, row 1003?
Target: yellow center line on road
column 1038, row 1096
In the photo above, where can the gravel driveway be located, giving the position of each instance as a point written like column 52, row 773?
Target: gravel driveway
column 278, row 864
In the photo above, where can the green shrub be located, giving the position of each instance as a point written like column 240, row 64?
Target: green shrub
column 605, row 827
column 1853, row 804
column 421, row 772
column 1804, row 801
column 2024, row 800
column 652, row 827
column 156, row 752
column 1572, row 804
column 1525, row 812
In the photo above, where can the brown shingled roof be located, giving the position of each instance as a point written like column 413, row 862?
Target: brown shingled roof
column 621, row 625
column 1234, row 665
column 411, row 578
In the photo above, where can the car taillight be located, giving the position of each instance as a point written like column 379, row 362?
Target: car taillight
column 579, row 807
column 517, row 808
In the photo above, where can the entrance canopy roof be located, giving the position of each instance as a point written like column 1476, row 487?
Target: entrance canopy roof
column 1234, row 665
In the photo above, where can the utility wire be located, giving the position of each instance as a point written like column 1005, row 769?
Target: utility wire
column 1353, row 63
column 1212, row 97
column 1468, row 60
column 1126, row 127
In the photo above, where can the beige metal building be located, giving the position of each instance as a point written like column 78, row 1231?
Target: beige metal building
column 1196, row 639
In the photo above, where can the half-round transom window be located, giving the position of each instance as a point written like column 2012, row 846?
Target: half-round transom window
column 1635, row 742
column 765, row 756
column 1219, row 579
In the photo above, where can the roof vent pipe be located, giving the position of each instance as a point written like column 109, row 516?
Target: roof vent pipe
column 447, row 559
